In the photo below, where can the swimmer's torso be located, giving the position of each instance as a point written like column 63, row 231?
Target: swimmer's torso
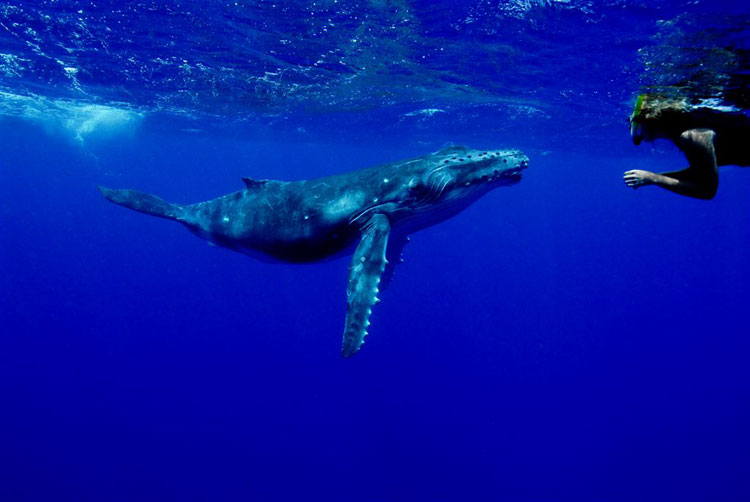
column 732, row 140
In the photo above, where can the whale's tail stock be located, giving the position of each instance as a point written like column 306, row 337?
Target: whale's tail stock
column 142, row 202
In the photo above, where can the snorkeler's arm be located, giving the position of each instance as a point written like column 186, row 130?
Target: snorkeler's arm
column 687, row 182
column 637, row 178
column 699, row 180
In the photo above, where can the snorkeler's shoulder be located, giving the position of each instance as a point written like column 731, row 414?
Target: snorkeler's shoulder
column 702, row 137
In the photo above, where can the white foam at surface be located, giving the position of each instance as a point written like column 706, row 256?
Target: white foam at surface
column 77, row 119
column 426, row 112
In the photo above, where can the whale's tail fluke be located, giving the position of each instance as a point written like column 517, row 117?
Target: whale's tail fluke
column 143, row 202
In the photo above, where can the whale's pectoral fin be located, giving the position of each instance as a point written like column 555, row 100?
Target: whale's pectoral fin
column 365, row 270
column 395, row 257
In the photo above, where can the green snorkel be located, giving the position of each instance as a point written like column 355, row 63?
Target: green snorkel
column 638, row 106
column 636, row 124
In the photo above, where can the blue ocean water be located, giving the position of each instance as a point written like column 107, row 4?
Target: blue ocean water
column 565, row 338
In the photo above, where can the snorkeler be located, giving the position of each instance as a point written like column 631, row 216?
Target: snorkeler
column 709, row 137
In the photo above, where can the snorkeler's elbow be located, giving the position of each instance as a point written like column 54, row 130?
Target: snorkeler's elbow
column 708, row 192
column 710, row 195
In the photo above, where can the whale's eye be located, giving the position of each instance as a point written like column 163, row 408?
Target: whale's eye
column 419, row 189
column 431, row 187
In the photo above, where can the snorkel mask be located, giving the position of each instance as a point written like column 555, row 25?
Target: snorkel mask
column 636, row 122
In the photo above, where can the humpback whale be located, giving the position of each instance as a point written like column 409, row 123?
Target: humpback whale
column 371, row 211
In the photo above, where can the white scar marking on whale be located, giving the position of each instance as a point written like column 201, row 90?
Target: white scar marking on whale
column 344, row 205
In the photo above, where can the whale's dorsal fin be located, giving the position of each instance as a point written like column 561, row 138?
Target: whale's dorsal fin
column 365, row 270
column 252, row 184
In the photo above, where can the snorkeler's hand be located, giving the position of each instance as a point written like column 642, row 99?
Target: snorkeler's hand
column 637, row 178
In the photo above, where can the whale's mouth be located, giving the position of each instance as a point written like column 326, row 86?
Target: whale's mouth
column 502, row 174
column 386, row 208
column 509, row 169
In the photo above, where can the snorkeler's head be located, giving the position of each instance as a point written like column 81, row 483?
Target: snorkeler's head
column 658, row 116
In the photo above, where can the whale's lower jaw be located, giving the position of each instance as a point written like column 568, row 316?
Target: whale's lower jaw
column 420, row 219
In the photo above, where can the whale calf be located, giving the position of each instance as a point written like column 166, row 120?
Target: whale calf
column 371, row 211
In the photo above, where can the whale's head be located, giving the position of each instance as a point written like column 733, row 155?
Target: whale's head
column 458, row 174
column 441, row 184
column 457, row 171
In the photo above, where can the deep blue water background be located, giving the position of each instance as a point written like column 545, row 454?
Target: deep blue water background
column 562, row 339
